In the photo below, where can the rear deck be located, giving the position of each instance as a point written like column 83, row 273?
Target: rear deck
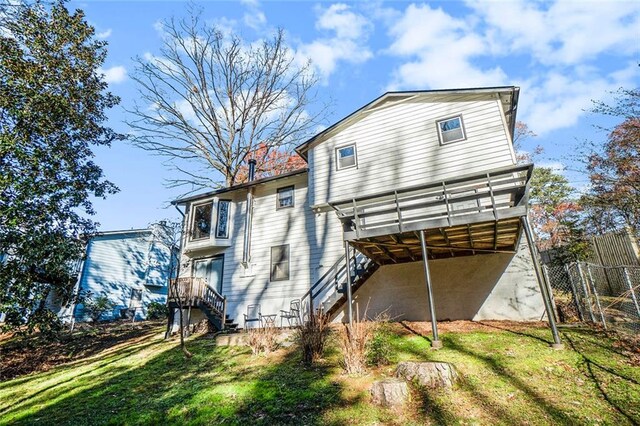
column 467, row 215
column 478, row 213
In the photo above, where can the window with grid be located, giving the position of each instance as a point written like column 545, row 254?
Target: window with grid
column 285, row 197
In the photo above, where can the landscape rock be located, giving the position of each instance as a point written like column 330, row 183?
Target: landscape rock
column 389, row 392
column 432, row 375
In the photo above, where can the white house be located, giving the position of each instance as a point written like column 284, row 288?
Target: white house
column 419, row 190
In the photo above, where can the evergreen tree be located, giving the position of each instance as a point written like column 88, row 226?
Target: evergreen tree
column 52, row 109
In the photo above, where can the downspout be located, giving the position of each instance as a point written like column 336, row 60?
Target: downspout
column 181, row 242
column 248, row 217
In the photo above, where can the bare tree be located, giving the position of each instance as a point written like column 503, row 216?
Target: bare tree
column 522, row 133
column 168, row 234
column 210, row 99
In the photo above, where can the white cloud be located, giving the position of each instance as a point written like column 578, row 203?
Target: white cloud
column 442, row 50
column 254, row 17
column 556, row 100
column 564, row 32
column 347, row 44
column 114, row 75
column 104, row 34
column 563, row 54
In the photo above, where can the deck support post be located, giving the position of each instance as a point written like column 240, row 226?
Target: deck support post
column 347, row 259
column 170, row 320
column 542, row 282
column 436, row 343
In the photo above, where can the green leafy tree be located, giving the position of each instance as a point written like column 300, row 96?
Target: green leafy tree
column 613, row 200
column 52, row 109
column 555, row 214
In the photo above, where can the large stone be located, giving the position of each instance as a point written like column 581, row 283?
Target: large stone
column 389, row 392
column 428, row 374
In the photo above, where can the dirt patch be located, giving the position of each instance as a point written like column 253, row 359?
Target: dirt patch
column 32, row 354
column 424, row 328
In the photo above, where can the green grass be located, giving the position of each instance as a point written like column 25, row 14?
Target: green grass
column 509, row 377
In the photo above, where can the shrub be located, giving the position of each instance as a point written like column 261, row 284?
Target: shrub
column 353, row 341
column 365, row 343
column 312, row 337
column 263, row 340
column 95, row 307
column 156, row 311
column 379, row 347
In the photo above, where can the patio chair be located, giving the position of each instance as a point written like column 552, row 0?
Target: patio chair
column 292, row 314
column 253, row 315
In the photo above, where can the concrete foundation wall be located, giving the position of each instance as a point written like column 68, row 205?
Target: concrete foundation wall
column 481, row 287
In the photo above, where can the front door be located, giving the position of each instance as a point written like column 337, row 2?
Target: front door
column 210, row 270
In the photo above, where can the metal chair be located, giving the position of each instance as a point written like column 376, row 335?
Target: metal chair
column 253, row 315
column 292, row 313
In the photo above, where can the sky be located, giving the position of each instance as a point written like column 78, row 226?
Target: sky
column 562, row 54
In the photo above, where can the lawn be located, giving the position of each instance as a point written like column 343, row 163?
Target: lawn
column 510, row 376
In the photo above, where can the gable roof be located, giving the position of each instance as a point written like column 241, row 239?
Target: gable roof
column 508, row 95
column 245, row 185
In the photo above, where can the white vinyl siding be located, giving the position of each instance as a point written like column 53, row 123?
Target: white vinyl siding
column 315, row 243
column 399, row 146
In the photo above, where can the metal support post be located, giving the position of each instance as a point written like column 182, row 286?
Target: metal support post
column 549, row 290
column 583, row 278
column 595, row 294
column 544, row 288
column 574, row 293
column 347, row 259
column 436, row 343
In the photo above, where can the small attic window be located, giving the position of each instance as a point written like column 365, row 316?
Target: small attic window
column 451, row 130
column 346, row 157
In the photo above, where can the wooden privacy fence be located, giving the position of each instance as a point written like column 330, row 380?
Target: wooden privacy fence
column 615, row 249
column 605, row 295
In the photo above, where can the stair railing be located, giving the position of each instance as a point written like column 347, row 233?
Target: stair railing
column 335, row 276
column 214, row 300
column 319, row 286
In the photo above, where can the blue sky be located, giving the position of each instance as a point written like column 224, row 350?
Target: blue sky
column 562, row 54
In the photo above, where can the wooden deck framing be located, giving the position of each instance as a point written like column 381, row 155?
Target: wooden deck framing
column 473, row 214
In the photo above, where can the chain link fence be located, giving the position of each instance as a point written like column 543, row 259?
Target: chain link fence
column 605, row 295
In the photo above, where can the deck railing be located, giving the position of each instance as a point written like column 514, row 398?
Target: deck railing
column 191, row 291
column 473, row 198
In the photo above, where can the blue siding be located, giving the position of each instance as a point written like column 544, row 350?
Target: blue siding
column 117, row 264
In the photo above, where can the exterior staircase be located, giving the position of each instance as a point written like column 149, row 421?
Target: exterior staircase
column 197, row 293
column 329, row 293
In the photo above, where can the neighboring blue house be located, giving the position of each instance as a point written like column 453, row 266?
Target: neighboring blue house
column 131, row 267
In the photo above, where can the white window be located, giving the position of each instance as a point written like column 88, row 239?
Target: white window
column 201, row 227
column 451, row 130
column 222, row 227
column 346, row 157
column 285, row 197
column 280, row 263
